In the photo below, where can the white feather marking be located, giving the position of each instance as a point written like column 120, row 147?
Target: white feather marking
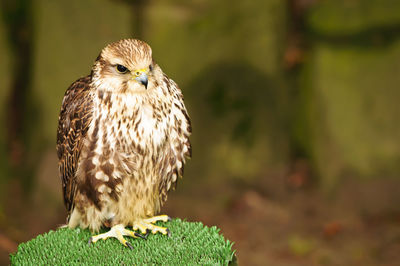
column 101, row 176
column 95, row 160
column 103, row 188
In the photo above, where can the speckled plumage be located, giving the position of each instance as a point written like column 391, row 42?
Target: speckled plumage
column 121, row 144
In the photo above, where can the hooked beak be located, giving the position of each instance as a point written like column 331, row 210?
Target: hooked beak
column 142, row 78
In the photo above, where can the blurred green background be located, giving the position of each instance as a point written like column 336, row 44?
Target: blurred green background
column 294, row 106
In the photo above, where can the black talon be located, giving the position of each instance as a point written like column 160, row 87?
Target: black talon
column 168, row 233
column 129, row 245
column 90, row 241
column 141, row 236
column 169, row 219
column 148, row 231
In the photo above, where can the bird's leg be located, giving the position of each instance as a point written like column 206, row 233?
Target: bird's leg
column 147, row 225
column 117, row 231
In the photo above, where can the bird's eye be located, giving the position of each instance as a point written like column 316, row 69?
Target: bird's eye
column 151, row 67
column 121, row 69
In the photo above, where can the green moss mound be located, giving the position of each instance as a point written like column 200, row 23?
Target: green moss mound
column 190, row 243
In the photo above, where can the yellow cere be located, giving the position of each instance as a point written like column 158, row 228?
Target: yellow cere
column 140, row 71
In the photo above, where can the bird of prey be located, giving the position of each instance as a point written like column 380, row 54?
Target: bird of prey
column 122, row 139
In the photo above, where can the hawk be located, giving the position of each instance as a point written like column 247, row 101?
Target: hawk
column 122, row 139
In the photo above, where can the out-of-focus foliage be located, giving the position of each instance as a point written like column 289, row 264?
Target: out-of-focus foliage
column 350, row 84
column 352, row 17
column 240, row 116
column 353, row 110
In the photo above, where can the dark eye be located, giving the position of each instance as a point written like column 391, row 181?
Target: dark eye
column 151, row 67
column 121, row 69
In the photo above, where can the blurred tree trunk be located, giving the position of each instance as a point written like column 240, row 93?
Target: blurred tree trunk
column 300, row 172
column 138, row 8
column 18, row 20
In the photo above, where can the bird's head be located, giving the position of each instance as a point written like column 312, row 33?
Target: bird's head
column 125, row 66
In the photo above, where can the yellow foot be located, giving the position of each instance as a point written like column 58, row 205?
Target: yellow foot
column 147, row 225
column 117, row 231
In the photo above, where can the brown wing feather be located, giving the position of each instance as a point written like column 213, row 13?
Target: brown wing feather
column 73, row 123
column 181, row 130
